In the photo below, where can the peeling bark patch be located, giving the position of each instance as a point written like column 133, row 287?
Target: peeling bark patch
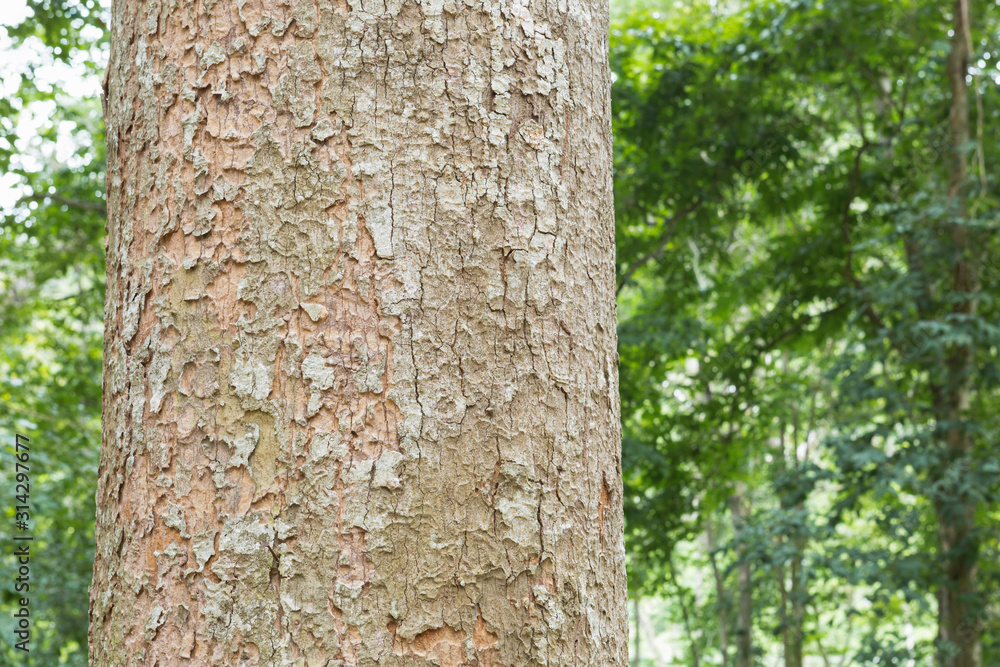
column 444, row 646
column 602, row 506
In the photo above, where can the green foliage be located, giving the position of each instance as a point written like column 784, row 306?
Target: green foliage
column 789, row 321
column 52, row 277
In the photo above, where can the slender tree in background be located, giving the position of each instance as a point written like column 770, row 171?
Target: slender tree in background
column 360, row 390
column 955, row 502
column 744, row 617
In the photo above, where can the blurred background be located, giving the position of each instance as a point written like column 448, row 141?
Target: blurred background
column 789, row 318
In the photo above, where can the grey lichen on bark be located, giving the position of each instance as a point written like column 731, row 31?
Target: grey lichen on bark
column 361, row 402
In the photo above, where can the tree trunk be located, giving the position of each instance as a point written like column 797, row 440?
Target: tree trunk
column 637, row 642
column 795, row 622
column 685, row 614
column 744, row 614
column 958, row 622
column 647, row 630
column 361, row 388
column 722, row 599
column 796, row 632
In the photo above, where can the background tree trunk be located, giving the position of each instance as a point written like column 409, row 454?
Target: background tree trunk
column 637, row 640
column 744, row 581
column 722, row 599
column 958, row 621
column 797, row 593
column 361, row 385
column 685, row 614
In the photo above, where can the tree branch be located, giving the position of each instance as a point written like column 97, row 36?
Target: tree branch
column 656, row 254
column 73, row 203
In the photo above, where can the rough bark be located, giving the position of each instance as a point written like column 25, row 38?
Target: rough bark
column 958, row 622
column 361, row 385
